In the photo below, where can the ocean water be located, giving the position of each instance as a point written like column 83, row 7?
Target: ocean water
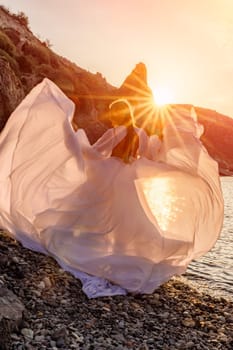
column 214, row 271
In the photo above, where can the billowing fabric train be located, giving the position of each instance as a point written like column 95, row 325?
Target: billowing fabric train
column 118, row 227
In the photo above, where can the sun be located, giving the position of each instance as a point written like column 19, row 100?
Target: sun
column 163, row 96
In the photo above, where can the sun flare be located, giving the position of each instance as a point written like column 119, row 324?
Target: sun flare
column 163, row 96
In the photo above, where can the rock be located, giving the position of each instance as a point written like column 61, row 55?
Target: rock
column 41, row 285
column 60, row 343
column 37, row 292
column 156, row 296
column 136, row 80
column 53, row 344
column 188, row 322
column 136, row 90
column 59, row 333
column 47, row 282
column 15, row 336
column 27, row 333
column 143, row 347
column 29, row 347
column 11, row 307
column 164, row 315
column 15, row 259
column 11, row 91
column 11, row 313
column 121, row 324
column 119, row 337
column 39, row 338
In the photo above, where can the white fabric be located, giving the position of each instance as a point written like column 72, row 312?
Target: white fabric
column 135, row 225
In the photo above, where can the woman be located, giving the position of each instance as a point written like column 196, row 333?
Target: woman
column 125, row 140
column 121, row 114
column 134, row 223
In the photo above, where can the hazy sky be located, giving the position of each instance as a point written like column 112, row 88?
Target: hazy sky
column 187, row 45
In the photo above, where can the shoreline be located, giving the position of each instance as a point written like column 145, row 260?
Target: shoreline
column 58, row 315
column 203, row 286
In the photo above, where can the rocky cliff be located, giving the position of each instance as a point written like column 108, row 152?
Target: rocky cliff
column 25, row 61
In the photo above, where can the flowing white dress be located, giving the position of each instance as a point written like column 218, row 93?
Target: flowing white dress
column 135, row 225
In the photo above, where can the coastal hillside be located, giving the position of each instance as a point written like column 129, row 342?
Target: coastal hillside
column 25, row 61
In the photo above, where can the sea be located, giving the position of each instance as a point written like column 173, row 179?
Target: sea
column 214, row 271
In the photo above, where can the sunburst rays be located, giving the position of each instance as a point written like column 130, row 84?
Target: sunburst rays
column 147, row 114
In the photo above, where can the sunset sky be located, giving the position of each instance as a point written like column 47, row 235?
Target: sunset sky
column 187, row 45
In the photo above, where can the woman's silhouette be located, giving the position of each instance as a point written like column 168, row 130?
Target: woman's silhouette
column 121, row 114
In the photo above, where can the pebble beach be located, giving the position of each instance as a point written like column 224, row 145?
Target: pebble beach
column 43, row 307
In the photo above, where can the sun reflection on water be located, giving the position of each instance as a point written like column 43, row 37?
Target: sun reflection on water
column 164, row 203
